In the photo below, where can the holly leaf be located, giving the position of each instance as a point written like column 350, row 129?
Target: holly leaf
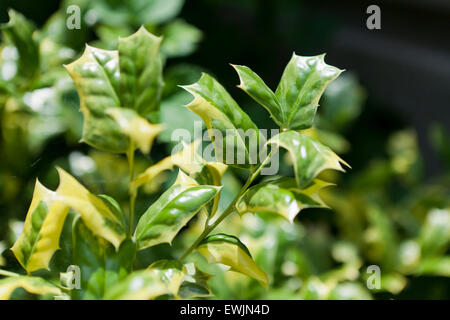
column 282, row 197
column 309, row 157
column 172, row 211
column 230, row 251
column 33, row 285
column 236, row 138
column 294, row 103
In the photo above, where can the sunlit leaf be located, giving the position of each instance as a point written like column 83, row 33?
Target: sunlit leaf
column 230, row 251
column 43, row 225
column 239, row 142
column 33, row 285
column 294, row 104
column 281, row 197
column 309, row 157
column 166, row 216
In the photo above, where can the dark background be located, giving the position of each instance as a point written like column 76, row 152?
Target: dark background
column 405, row 66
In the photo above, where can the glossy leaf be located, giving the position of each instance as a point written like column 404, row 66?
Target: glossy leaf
column 171, row 272
column 294, row 104
column 222, row 115
column 138, row 129
column 33, row 285
column 140, row 72
column 96, row 77
column 166, row 216
column 20, row 32
column 145, row 285
column 187, row 159
column 43, row 225
column 230, row 251
column 281, row 197
column 309, row 157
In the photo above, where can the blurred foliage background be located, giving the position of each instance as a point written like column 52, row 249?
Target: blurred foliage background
column 392, row 209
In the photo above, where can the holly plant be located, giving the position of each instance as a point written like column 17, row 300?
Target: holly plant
column 70, row 231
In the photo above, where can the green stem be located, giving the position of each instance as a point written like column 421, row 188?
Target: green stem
column 132, row 192
column 229, row 210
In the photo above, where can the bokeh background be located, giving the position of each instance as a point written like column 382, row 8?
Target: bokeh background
column 388, row 116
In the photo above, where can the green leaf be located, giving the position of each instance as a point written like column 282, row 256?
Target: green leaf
column 180, row 39
column 140, row 72
column 166, row 216
column 101, row 266
column 294, row 104
column 33, row 285
column 230, row 251
column 147, row 284
column 20, row 32
column 309, row 157
column 222, row 115
column 281, row 197
column 195, row 283
column 156, row 11
column 171, row 272
column 187, row 159
column 96, row 77
column 43, row 225
column 104, row 82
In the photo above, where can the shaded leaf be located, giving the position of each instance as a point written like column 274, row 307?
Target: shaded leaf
column 33, row 285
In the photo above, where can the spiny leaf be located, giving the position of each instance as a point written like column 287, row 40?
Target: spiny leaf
column 230, row 128
column 140, row 71
column 281, row 197
column 43, row 225
column 294, row 104
column 230, row 251
column 33, row 285
column 309, row 157
column 166, row 216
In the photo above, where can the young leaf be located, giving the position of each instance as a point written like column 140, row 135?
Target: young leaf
column 20, row 32
column 171, row 272
column 294, row 104
column 43, row 225
column 229, row 127
column 33, row 285
column 309, row 157
column 166, row 216
column 140, row 72
column 281, row 197
column 230, row 251
column 96, row 77
column 137, row 128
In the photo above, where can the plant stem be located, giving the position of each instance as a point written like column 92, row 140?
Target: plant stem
column 132, row 192
column 228, row 210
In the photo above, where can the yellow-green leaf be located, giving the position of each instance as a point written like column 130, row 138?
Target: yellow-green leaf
column 282, row 197
column 230, row 251
column 309, row 157
column 43, row 225
column 33, row 285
